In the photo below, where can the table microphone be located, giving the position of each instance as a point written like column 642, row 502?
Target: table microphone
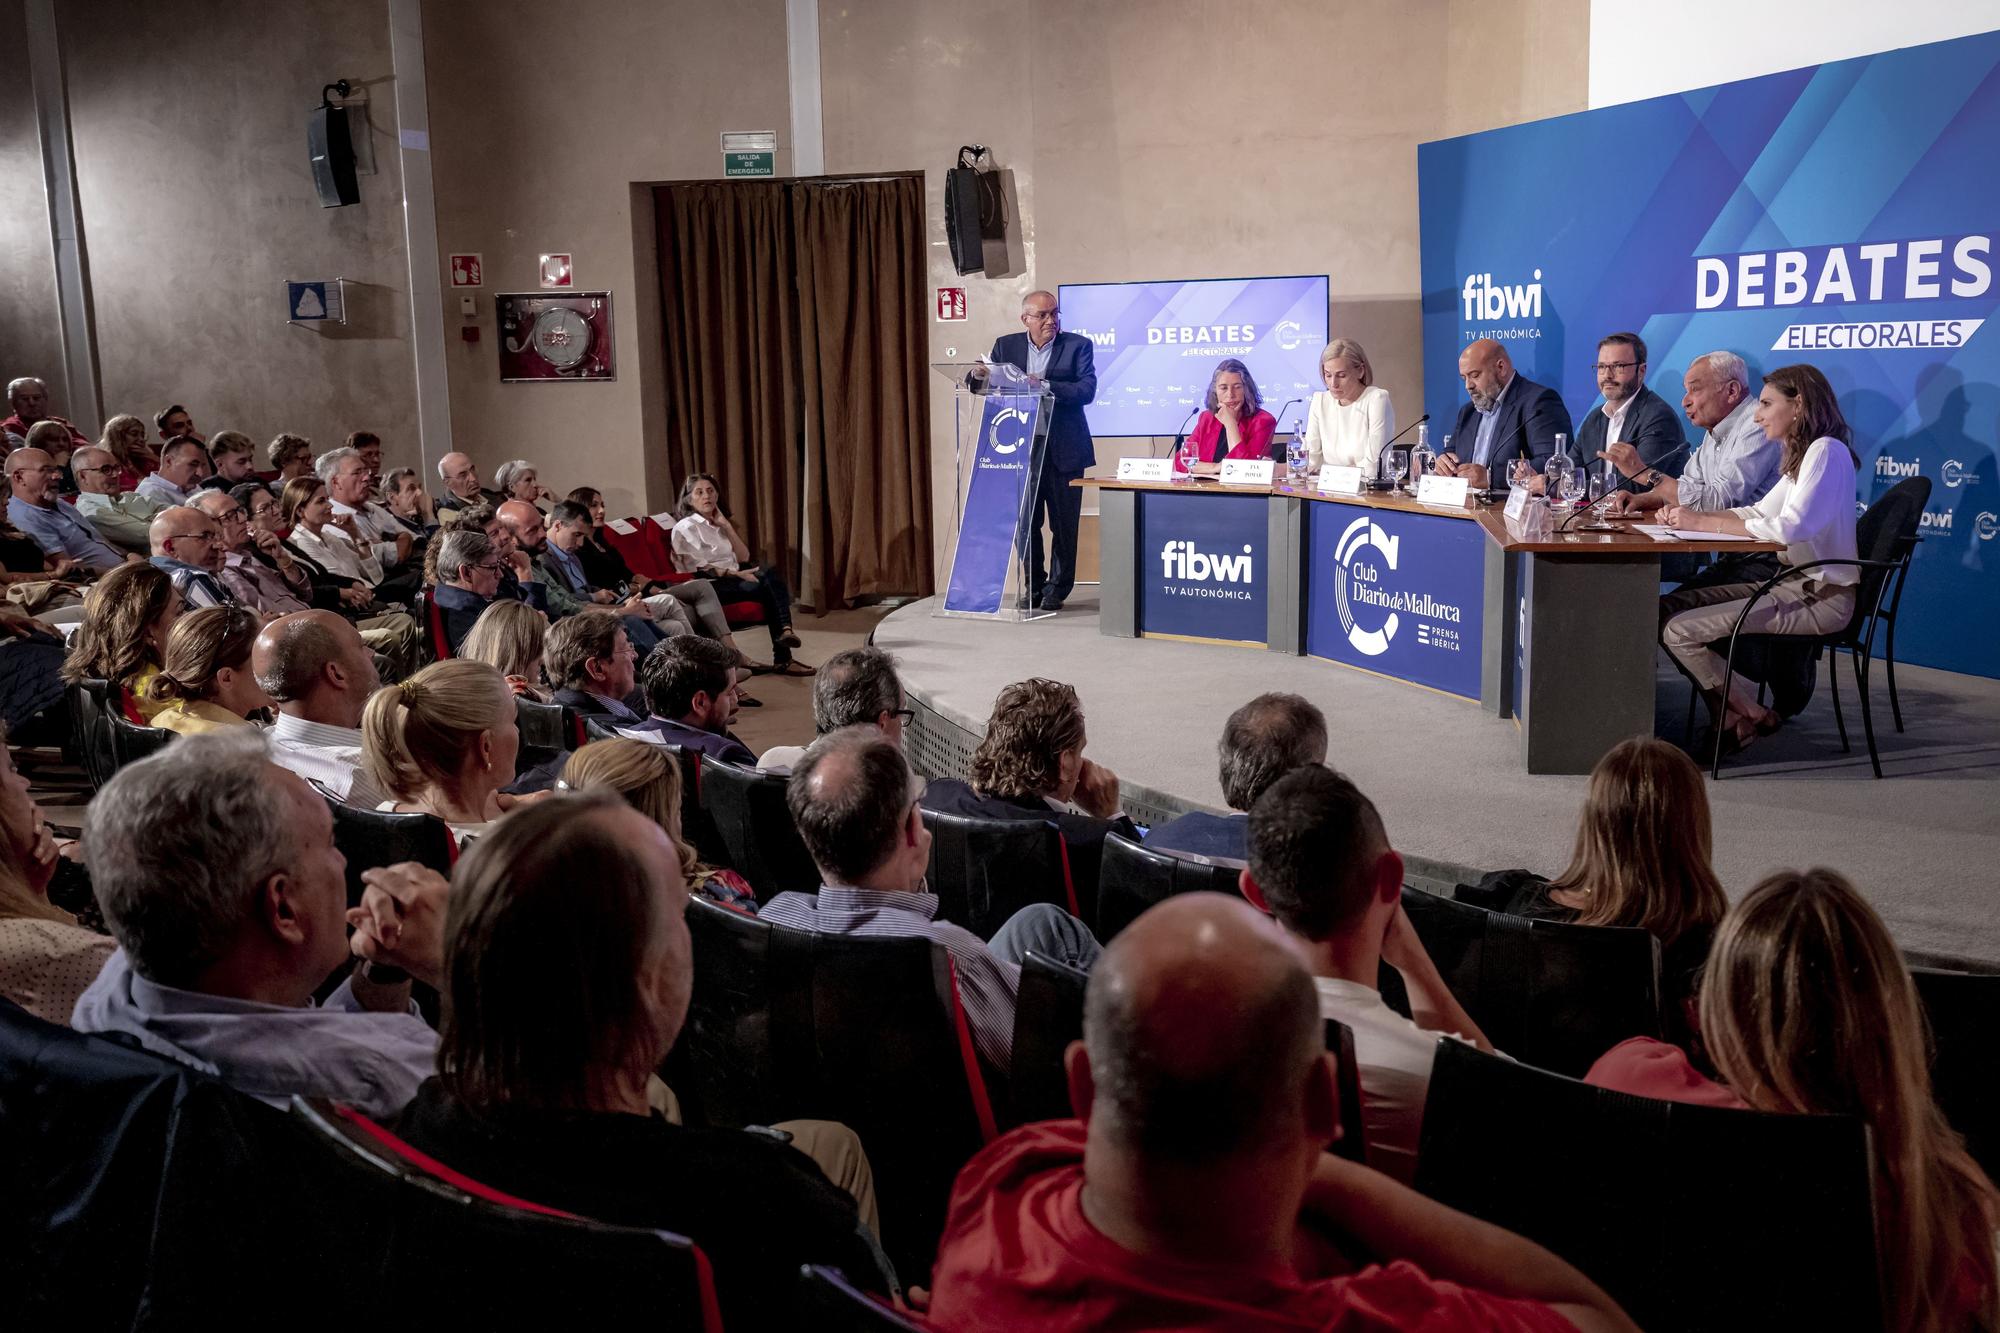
column 1375, row 483
column 1181, row 434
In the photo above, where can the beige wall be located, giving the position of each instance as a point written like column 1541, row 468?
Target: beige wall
column 30, row 334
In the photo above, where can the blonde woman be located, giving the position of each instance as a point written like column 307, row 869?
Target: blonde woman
column 1352, row 418
column 443, row 742
column 508, row 637
column 127, row 617
column 205, row 683
column 648, row 780
column 1806, row 1008
column 46, row 959
column 124, row 438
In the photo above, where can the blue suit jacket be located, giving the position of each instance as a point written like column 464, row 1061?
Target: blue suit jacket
column 1072, row 379
column 1650, row 424
column 1199, row 833
column 1531, row 414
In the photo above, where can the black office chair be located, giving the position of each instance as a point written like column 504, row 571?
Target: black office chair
column 544, row 731
column 1048, row 1016
column 1963, row 1009
column 130, row 743
column 1692, row 1217
column 430, row 616
column 90, row 709
column 1131, row 879
column 1552, row 995
column 985, row 870
column 829, row 1303
column 1885, row 537
column 1353, row 1141
column 868, row 1031
column 598, row 729
column 370, row 839
column 755, row 825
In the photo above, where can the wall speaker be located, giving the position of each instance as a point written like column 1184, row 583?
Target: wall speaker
column 972, row 210
column 332, row 151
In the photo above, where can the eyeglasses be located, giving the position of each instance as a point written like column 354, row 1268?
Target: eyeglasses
column 1603, row 366
column 489, row 567
column 904, row 715
column 1040, row 314
column 86, row 471
column 210, row 537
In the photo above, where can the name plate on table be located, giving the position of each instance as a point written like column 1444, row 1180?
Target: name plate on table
column 621, row 527
column 1444, row 492
column 1145, row 469
column 1337, row 480
column 1247, row 471
column 1517, row 503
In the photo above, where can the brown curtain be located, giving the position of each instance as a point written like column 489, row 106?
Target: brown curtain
column 794, row 318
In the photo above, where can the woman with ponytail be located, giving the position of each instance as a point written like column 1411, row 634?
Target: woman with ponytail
column 206, row 684
column 444, row 743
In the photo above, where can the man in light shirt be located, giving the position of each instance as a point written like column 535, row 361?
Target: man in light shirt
column 351, row 487
column 56, row 527
column 183, row 463
column 1735, row 464
column 321, row 673
column 122, row 520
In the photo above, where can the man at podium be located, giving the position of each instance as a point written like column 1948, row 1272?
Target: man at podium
column 1061, row 363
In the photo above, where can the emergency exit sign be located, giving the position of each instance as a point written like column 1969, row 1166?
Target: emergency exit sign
column 748, row 164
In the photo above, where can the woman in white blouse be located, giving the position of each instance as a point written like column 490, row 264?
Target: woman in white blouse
column 1810, row 510
column 309, row 513
column 707, row 543
column 1351, row 419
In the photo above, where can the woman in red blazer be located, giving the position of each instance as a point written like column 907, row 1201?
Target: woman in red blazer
column 1234, row 424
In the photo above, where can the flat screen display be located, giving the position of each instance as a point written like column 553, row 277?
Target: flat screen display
column 1157, row 344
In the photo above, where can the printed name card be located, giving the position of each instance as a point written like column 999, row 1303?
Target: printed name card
column 666, row 520
column 621, row 527
column 1517, row 503
column 1145, row 469
column 1247, row 471
column 1444, row 492
column 1336, row 480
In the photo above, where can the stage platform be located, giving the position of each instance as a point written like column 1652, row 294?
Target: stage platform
column 1923, row 843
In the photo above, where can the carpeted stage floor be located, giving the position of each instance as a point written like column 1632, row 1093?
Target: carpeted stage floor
column 1923, row 843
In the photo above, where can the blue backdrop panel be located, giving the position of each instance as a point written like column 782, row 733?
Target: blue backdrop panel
column 1847, row 215
column 989, row 530
column 1399, row 594
column 1202, row 565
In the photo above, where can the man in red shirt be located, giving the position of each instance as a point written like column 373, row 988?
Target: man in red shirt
column 1197, row 1192
column 29, row 398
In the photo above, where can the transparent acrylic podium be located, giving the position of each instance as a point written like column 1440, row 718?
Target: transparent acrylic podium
column 1000, row 431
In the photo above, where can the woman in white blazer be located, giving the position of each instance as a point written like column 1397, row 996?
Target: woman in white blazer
column 1351, row 419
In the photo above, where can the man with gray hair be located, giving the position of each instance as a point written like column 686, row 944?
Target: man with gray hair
column 468, row 573
column 57, row 528
column 1734, row 465
column 350, row 487
column 218, row 876
column 189, row 546
column 122, row 520
column 858, row 687
column 460, row 476
column 1261, row 742
column 29, row 397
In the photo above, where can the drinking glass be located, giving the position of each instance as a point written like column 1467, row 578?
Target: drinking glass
column 1399, row 465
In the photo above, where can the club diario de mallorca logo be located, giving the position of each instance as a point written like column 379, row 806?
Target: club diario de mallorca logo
column 1355, row 577
column 1000, row 420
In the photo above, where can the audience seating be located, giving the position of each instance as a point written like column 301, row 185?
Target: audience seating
column 1353, row 1142
column 650, row 555
column 370, row 839
column 748, row 811
column 1131, row 879
column 90, row 712
column 1962, row 1008
column 130, row 743
column 545, row 732
column 867, row 1031
column 985, row 870
column 437, row 642
column 835, row 1305
column 1692, row 1217
column 1048, row 1016
column 697, row 824
column 1555, row 996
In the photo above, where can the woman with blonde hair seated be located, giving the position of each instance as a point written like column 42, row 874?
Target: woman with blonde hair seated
column 127, row 617
column 1351, row 419
column 46, row 959
column 508, row 637
column 443, row 742
column 124, row 438
column 205, row 683
column 1807, row 1008
column 649, row 781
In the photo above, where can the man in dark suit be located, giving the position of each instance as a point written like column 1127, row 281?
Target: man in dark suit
column 1061, row 363
column 1510, row 416
column 1632, row 414
column 1261, row 742
column 590, row 660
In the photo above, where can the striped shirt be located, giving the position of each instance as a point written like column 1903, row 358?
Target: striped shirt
column 986, row 985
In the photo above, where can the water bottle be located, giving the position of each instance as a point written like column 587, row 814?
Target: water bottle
column 1295, row 455
column 1559, row 471
column 1421, row 457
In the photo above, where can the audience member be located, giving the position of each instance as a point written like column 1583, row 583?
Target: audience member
column 508, row 637
column 1641, row 859
column 854, row 800
column 517, row 479
column 1321, row 864
column 54, row 439
column 32, row 660
column 603, row 567
column 1261, row 742
column 217, row 873
column 858, row 687
column 188, row 545
column 122, row 520
column 29, row 397
column 320, row 673
column 1196, row 1192
column 1807, row 1008
column 461, row 483
column 124, row 438
column 707, row 543
column 266, row 572
column 555, row 547
column 468, row 570
column 234, row 457
column 542, row 1091
column 444, row 742
column 690, row 689
column 646, row 778
column 350, row 488
column 369, row 445
column 127, row 616
column 592, row 666
column 308, row 511
column 174, row 421
column 275, row 584
column 1030, row 766
column 518, row 578
column 56, row 527
column 183, row 463
column 408, row 502
column 291, row 457
column 205, row 683
column 46, row 959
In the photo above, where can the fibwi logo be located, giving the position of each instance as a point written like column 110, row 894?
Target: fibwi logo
column 1935, row 520
column 1481, row 298
column 1350, row 568
column 1180, row 560
column 1886, row 466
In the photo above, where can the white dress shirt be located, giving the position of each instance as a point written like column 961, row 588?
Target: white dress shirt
column 1813, row 513
column 699, row 544
column 377, row 526
column 335, row 551
column 1735, row 465
column 1393, row 1057
column 160, row 491
column 1350, row 435
column 327, row 756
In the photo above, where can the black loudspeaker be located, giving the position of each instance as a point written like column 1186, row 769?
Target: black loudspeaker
column 972, row 209
column 332, row 151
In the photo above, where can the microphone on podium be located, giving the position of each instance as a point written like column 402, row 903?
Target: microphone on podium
column 1181, row 434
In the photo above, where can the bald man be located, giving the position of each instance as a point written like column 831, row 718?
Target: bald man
column 1510, row 417
column 189, row 545
column 1207, row 1101
column 460, row 476
column 57, row 528
column 1061, row 363
column 315, row 664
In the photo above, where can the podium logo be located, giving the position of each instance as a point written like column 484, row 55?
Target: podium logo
column 1481, row 298
column 1351, row 567
column 1179, row 560
column 1000, row 420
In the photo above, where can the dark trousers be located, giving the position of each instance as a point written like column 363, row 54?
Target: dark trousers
column 1061, row 506
column 769, row 591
